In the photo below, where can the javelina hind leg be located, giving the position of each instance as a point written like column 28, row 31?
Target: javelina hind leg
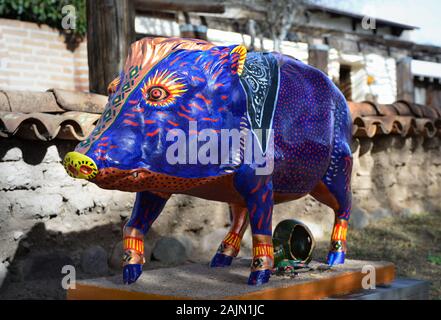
column 335, row 192
column 230, row 246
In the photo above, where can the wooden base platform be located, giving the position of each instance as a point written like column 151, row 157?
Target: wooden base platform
column 198, row 281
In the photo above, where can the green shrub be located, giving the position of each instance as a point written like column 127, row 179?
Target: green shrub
column 47, row 12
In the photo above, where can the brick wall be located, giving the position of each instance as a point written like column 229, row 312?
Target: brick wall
column 35, row 58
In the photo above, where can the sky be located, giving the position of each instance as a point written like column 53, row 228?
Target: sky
column 425, row 14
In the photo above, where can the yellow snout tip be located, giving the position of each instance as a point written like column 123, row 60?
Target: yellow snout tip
column 80, row 166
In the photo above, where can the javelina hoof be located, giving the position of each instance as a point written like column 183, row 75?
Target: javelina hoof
column 259, row 277
column 335, row 258
column 221, row 260
column 131, row 273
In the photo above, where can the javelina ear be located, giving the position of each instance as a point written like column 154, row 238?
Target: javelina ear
column 242, row 54
column 111, row 88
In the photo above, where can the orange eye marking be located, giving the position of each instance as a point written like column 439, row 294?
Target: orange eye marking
column 162, row 89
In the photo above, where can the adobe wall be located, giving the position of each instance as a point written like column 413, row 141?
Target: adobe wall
column 35, row 58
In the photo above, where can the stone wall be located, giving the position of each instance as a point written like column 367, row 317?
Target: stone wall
column 45, row 214
column 35, row 58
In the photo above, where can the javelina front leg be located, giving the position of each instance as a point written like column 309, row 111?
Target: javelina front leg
column 230, row 246
column 147, row 208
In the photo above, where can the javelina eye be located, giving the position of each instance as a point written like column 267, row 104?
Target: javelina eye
column 162, row 89
column 157, row 94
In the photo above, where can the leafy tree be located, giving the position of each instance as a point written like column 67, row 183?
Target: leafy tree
column 48, row 12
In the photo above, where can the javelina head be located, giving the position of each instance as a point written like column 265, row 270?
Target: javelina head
column 166, row 85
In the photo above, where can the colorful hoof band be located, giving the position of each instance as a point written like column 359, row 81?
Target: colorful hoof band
column 338, row 243
column 340, row 231
column 221, row 260
column 263, row 250
column 134, row 244
column 232, row 240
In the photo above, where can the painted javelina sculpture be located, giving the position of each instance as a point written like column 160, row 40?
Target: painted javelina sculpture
column 173, row 83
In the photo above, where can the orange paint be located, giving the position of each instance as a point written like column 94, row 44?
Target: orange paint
column 154, row 133
column 203, row 98
column 214, row 76
column 210, row 119
column 130, row 122
column 185, row 116
column 217, row 85
column 173, row 123
column 149, row 121
column 207, row 66
column 257, row 187
column 173, row 62
column 194, row 78
column 265, row 195
column 184, row 109
column 195, row 105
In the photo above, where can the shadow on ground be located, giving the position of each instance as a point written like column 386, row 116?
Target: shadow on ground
column 35, row 270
